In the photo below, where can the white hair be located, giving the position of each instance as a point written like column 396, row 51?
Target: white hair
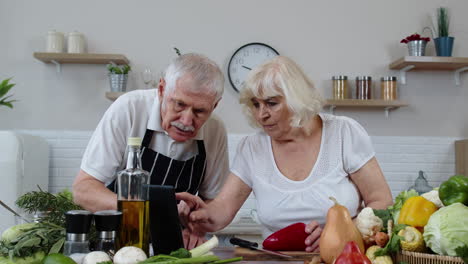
column 281, row 76
column 204, row 72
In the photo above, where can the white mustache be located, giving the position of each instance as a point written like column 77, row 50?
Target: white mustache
column 182, row 127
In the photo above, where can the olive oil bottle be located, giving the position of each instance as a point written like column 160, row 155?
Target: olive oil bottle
column 132, row 200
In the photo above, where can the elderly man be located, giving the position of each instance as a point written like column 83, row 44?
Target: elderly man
column 183, row 145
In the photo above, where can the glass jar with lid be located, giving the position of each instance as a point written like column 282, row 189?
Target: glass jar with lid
column 364, row 87
column 388, row 88
column 340, row 87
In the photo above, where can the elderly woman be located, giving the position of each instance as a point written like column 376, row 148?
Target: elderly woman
column 300, row 159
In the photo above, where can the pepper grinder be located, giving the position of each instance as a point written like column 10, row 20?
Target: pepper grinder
column 78, row 223
column 107, row 225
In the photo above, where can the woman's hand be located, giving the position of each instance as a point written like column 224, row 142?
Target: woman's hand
column 192, row 211
column 312, row 241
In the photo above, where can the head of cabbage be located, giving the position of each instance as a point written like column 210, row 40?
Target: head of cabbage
column 447, row 229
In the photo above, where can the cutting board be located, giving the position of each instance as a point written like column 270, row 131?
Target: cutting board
column 249, row 254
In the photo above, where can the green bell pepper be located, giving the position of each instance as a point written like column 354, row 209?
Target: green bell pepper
column 454, row 190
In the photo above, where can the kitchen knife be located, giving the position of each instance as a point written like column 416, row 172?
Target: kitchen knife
column 252, row 245
column 13, row 211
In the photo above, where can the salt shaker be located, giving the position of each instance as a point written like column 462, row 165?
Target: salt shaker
column 55, row 41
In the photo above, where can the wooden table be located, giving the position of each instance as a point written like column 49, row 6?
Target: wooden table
column 229, row 252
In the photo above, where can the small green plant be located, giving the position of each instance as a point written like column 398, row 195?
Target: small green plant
column 5, row 87
column 443, row 22
column 118, row 69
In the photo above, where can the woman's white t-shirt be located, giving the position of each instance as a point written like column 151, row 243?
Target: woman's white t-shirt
column 345, row 148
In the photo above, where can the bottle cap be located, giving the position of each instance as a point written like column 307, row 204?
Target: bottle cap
column 363, row 78
column 340, row 77
column 78, row 221
column 388, row 78
column 108, row 220
column 134, row 141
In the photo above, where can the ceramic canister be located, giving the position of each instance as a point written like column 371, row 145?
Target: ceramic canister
column 75, row 42
column 55, row 41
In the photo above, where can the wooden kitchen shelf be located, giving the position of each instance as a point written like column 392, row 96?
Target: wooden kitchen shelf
column 113, row 95
column 356, row 103
column 79, row 58
column 420, row 63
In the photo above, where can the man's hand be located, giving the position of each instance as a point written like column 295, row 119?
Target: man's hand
column 192, row 240
column 312, row 241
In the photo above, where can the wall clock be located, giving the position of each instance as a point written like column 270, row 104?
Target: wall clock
column 245, row 59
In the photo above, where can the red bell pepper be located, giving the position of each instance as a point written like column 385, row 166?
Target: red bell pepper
column 290, row 238
column 351, row 254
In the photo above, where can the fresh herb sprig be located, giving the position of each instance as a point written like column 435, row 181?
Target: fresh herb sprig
column 53, row 205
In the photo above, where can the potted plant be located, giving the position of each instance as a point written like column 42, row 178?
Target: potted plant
column 443, row 43
column 118, row 75
column 5, row 87
column 416, row 44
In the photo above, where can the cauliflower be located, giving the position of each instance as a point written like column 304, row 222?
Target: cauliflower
column 433, row 196
column 377, row 259
column 368, row 224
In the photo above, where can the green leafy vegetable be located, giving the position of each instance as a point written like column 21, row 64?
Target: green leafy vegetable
column 447, row 229
column 195, row 260
column 105, row 262
column 42, row 237
column 181, row 256
column 393, row 245
column 385, row 215
column 462, row 252
column 181, row 253
column 222, row 261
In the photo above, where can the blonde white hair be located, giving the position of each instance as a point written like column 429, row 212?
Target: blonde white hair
column 281, row 76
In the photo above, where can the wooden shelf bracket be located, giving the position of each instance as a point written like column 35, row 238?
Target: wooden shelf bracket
column 457, row 75
column 403, row 73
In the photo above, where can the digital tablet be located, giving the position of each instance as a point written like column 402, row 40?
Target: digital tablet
column 165, row 227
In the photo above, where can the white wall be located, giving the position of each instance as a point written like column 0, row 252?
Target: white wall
column 325, row 37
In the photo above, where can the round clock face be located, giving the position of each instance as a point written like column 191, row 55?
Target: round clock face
column 245, row 59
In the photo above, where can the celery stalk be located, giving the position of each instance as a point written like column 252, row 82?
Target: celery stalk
column 205, row 247
column 196, row 260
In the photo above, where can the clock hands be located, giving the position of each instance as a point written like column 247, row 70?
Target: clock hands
column 246, row 67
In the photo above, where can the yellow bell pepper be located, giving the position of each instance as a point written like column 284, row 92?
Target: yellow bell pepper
column 416, row 211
